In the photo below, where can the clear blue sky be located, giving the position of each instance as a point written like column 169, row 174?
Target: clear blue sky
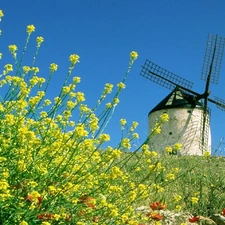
column 171, row 33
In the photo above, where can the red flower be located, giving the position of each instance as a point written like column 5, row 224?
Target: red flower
column 95, row 219
column 157, row 206
column 28, row 198
column 223, row 212
column 46, row 216
column 194, row 219
column 69, row 218
column 87, row 200
column 154, row 216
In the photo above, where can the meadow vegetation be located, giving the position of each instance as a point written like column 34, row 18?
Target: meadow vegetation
column 54, row 170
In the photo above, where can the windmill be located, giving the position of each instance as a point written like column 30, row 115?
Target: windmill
column 188, row 110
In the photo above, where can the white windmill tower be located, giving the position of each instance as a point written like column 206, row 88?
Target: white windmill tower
column 188, row 111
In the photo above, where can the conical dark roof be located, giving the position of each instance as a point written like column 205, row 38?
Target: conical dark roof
column 178, row 99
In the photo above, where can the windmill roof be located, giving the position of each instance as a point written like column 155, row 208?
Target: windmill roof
column 178, row 98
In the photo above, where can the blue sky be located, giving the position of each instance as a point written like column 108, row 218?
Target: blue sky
column 171, row 33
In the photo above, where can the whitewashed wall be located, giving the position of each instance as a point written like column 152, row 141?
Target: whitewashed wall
column 185, row 127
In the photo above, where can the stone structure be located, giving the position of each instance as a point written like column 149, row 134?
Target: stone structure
column 185, row 124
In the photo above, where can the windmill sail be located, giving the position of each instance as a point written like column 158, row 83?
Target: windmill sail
column 163, row 77
column 198, row 115
column 213, row 58
column 210, row 73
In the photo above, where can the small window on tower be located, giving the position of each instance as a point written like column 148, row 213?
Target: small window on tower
column 170, row 133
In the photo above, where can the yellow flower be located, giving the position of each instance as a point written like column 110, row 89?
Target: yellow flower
column 170, row 176
column 116, row 153
column 121, row 85
column 175, row 170
column 177, row 146
column 115, row 101
column 3, row 185
column 134, row 125
column 39, row 41
column 135, row 135
column 104, row 137
column 33, row 184
column 21, row 165
column 2, row 159
column 12, row 48
column 177, row 198
column 35, row 70
column 158, row 188
column 53, row 67
column 26, row 69
column 56, row 217
column 8, row 67
column 74, row 59
column 80, row 96
column 164, row 117
column 114, row 213
column 57, row 100
column 169, row 149
column 154, row 154
column 0, row 55
column 207, row 153
column 45, row 223
column 194, row 200
column 156, row 130
column 76, row 80
column 80, row 131
column 145, row 147
column 30, row 29
column 133, row 55
column 123, row 122
column 108, row 88
column 108, row 105
column 1, row 14
column 126, row 143
column 65, row 89
column 178, row 207
column 70, row 104
column 23, row 223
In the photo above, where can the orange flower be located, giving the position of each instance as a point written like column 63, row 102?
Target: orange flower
column 95, row 219
column 87, row 200
column 194, row 219
column 157, row 206
column 45, row 216
column 154, row 216
column 223, row 212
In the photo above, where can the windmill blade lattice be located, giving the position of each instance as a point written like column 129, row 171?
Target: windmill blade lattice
column 205, row 124
column 220, row 103
column 213, row 58
column 163, row 77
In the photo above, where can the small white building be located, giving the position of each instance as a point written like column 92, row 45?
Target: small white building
column 185, row 124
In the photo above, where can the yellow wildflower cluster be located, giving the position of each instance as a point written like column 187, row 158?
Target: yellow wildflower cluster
column 1, row 14
column 30, row 29
column 172, row 150
column 54, row 170
column 39, row 41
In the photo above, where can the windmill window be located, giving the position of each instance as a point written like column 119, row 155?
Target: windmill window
column 170, row 133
